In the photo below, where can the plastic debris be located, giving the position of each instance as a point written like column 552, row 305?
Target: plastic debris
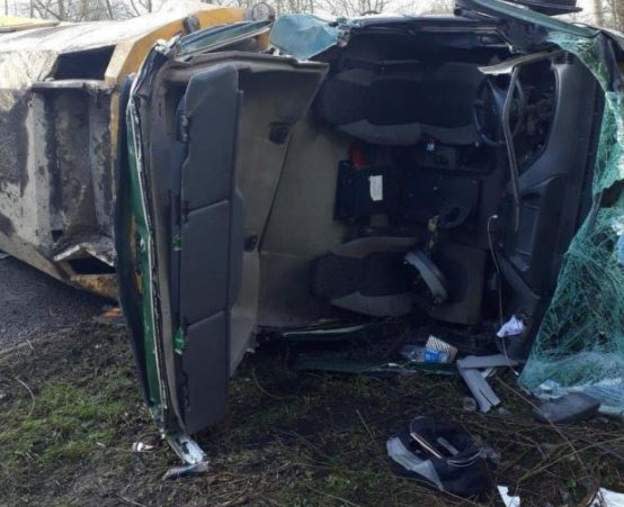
column 474, row 369
column 140, row 447
column 607, row 498
column 513, row 327
column 508, row 500
column 413, row 353
column 438, row 351
column 434, row 351
column 480, row 389
column 486, row 362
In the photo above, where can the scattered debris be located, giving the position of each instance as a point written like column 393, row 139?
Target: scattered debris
column 441, row 453
column 472, row 369
column 610, row 392
column 413, row 353
column 434, row 351
column 508, row 500
column 100, row 248
column 265, row 459
column 438, row 351
column 334, row 364
column 485, row 362
column 607, row 498
column 620, row 250
column 568, row 409
column 513, row 327
column 140, row 447
column 469, row 404
column 111, row 315
column 178, row 472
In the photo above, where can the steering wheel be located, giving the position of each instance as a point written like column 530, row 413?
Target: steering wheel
column 487, row 111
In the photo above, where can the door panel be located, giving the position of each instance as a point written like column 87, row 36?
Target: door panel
column 550, row 186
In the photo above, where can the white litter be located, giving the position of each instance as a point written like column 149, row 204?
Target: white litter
column 509, row 501
column 607, row 498
column 513, row 327
column 139, row 447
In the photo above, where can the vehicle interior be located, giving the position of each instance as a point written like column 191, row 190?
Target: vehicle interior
column 406, row 174
column 396, row 195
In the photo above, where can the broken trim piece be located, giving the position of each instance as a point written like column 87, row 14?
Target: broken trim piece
column 187, row 449
column 100, row 248
column 470, row 370
column 504, row 10
column 155, row 388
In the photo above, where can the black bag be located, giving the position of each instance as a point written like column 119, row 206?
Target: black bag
column 442, row 454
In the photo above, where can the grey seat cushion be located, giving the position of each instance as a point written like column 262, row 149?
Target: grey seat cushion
column 382, row 106
column 367, row 276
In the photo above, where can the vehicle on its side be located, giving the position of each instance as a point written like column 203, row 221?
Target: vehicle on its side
column 59, row 139
column 354, row 170
column 310, row 176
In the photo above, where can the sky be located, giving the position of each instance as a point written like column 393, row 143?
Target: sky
column 402, row 6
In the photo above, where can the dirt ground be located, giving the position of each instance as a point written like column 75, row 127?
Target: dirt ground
column 32, row 302
column 70, row 410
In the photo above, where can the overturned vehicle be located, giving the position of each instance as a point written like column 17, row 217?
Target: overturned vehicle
column 462, row 169
column 59, row 133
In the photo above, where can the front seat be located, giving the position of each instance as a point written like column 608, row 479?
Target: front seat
column 386, row 103
column 367, row 275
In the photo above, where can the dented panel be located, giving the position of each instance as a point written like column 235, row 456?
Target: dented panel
column 59, row 111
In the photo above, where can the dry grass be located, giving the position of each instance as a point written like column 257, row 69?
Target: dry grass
column 70, row 411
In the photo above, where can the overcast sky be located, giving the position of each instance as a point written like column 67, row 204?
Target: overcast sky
column 400, row 6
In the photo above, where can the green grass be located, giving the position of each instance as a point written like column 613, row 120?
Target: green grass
column 66, row 424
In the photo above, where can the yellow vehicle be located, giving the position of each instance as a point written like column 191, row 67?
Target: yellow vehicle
column 59, row 117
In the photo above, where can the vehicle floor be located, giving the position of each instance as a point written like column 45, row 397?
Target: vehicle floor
column 70, row 411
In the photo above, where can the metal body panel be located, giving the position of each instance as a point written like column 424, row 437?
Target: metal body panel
column 59, row 135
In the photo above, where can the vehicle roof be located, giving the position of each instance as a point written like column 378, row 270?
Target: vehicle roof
column 69, row 37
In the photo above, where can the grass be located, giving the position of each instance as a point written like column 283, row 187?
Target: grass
column 70, row 410
column 66, row 423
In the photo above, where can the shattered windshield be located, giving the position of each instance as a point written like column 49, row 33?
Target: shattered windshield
column 217, row 37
